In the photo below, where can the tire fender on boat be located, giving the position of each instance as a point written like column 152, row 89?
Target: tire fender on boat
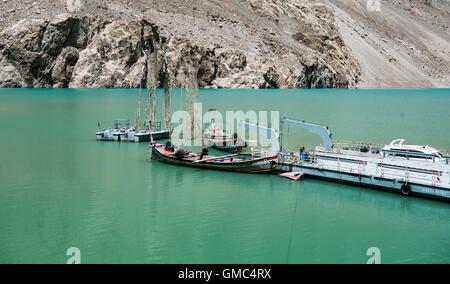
column 405, row 189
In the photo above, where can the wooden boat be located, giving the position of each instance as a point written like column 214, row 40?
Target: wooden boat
column 221, row 140
column 232, row 163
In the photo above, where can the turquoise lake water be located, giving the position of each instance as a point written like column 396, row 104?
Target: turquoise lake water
column 60, row 188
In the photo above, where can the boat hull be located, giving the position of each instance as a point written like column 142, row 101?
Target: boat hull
column 132, row 136
column 260, row 165
column 406, row 177
column 228, row 149
column 156, row 135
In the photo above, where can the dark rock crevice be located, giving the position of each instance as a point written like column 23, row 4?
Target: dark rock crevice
column 317, row 76
column 271, row 79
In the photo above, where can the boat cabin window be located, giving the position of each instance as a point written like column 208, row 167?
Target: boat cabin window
column 411, row 156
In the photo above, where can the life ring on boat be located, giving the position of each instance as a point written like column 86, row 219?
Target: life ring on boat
column 405, row 189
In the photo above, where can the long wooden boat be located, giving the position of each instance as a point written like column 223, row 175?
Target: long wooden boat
column 232, row 163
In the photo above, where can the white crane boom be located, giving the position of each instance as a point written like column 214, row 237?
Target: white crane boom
column 320, row 130
column 274, row 137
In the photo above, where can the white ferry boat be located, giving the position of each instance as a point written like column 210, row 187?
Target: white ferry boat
column 406, row 169
column 412, row 152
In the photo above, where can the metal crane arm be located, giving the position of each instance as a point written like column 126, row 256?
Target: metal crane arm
column 272, row 135
column 320, row 130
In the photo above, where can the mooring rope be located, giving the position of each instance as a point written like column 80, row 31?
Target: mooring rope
column 292, row 228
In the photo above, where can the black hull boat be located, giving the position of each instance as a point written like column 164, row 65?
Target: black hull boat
column 131, row 135
column 231, row 163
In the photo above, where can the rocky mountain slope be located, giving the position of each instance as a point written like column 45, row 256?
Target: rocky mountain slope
column 206, row 43
column 223, row 43
column 403, row 44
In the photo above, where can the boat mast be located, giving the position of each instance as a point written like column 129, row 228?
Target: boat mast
column 138, row 112
column 151, row 87
column 167, row 99
column 192, row 97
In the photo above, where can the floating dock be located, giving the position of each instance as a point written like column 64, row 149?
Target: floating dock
column 405, row 169
column 405, row 176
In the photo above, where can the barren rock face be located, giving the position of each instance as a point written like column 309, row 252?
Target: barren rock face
column 246, row 44
column 63, row 68
column 110, row 55
column 11, row 77
column 43, row 52
column 403, row 44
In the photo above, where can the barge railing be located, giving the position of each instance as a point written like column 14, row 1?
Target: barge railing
column 429, row 177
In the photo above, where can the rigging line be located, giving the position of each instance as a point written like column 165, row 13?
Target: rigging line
column 292, row 228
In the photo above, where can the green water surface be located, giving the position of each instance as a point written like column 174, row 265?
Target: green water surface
column 59, row 188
